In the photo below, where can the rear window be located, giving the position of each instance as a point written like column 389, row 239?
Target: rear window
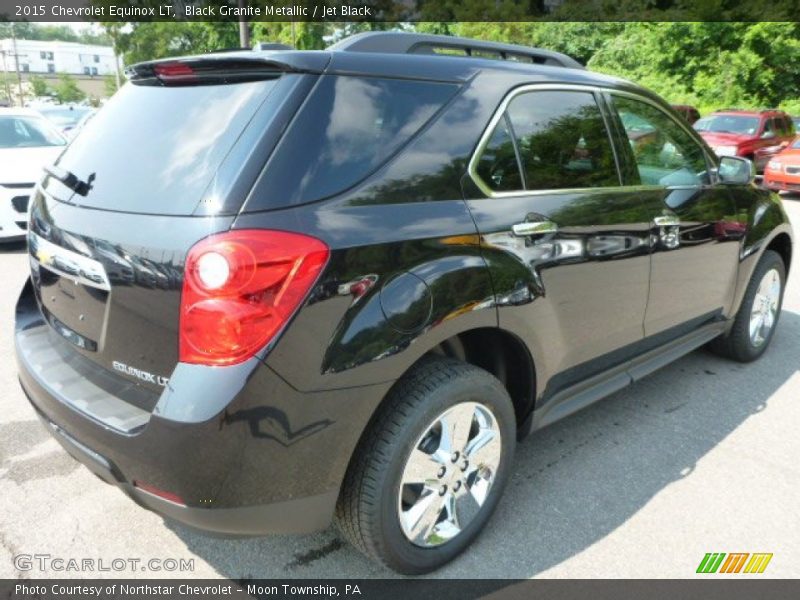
column 18, row 131
column 728, row 124
column 156, row 149
column 348, row 128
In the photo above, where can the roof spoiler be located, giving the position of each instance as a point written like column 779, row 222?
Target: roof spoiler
column 225, row 67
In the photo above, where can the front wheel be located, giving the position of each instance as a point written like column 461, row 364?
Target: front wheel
column 754, row 324
column 430, row 470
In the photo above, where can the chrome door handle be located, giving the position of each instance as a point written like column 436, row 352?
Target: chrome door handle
column 534, row 228
column 666, row 221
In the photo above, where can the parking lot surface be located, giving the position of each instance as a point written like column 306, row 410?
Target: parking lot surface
column 700, row 457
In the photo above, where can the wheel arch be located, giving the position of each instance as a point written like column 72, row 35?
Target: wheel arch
column 498, row 351
column 777, row 238
column 782, row 244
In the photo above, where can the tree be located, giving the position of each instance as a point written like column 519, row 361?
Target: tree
column 303, row 36
column 50, row 32
column 6, row 95
column 110, row 85
column 39, row 86
column 67, row 89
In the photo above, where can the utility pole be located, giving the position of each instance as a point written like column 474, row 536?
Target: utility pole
column 16, row 65
column 5, row 75
column 244, row 29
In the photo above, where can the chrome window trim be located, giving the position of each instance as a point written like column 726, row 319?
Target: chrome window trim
column 66, row 263
column 472, row 166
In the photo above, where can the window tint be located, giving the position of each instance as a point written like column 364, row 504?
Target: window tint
column 498, row 166
column 156, row 149
column 27, row 132
column 562, row 140
column 665, row 154
column 348, row 128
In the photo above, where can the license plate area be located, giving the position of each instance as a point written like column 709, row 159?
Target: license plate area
column 73, row 308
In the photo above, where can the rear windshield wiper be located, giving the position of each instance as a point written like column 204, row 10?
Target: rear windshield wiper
column 71, row 180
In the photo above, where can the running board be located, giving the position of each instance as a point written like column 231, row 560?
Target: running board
column 587, row 392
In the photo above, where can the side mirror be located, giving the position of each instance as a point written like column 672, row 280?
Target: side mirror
column 735, row 170
column 767, row 135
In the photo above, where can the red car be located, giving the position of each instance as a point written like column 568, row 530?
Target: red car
column 690, row 113
column 783, row 171
column 755, row 134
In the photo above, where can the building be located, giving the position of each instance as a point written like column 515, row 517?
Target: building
column 38, row 57
column 88, row 64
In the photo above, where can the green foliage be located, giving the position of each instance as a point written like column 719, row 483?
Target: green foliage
column 110, row 85
column 707, row 64
column 67, row 89
column 303, row 36
column 50, row 32
column 143, row 41
column 7, row 81
column 39, row 86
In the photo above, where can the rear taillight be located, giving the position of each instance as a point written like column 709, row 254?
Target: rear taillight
column 240, row 288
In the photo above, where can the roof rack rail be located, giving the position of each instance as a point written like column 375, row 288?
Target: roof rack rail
column 397, row 42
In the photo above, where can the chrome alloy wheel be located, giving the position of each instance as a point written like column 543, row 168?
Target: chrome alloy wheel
column 765, row 307
column 448, row 474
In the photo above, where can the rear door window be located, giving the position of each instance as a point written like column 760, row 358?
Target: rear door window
column 347, row 128
column 664, row 152
column 560, row 141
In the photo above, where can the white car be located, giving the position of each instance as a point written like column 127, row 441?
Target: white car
column 28, row 143
column 65, row 117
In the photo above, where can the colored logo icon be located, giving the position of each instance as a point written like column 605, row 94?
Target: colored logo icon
column 735, row 562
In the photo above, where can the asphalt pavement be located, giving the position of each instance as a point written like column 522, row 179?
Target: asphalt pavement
column 700, row 457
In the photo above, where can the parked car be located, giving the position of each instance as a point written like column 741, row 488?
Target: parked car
column 783, row 171
column 756, row 135
column 66, row 118
column 690, row 113
column 87, row 116
column 395, row 263
column 27, row 143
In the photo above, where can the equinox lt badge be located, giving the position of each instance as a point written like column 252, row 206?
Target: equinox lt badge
column 139, row 374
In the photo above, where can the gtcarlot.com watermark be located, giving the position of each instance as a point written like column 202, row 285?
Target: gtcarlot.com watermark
column 48, row 562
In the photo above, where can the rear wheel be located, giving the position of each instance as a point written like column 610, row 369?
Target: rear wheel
column 431, row 468
column 758, row 314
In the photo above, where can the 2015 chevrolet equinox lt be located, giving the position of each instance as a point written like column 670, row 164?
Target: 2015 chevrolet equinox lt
column 274, row 289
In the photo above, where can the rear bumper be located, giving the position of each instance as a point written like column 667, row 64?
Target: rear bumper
column 244, row 452
column 301, row 515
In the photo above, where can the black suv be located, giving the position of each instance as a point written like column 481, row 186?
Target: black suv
column 274, row 289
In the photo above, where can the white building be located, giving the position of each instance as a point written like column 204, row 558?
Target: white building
column 36, row 57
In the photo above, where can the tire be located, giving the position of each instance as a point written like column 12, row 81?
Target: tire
column 369, row 509
column 738, row 344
